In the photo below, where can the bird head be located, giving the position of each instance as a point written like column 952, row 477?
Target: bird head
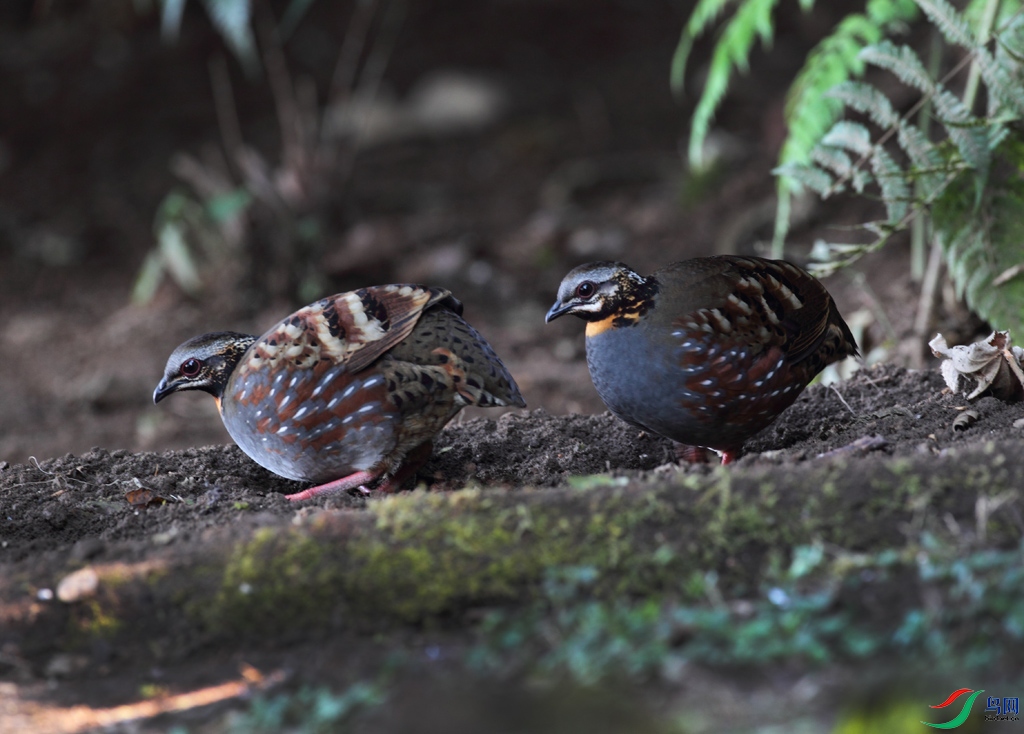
column 598, row 290
column 203, row 363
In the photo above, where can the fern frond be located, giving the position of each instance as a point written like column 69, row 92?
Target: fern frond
column 981, row 241
column 834, row 159
column 976, row 10
column 949, row 22
column 968, row 133
column 893, row 182
column 1010, row 34
column 867, row 99
column 929, row 165
column 1002, row 72
column 814, row 178
column 833, row 255
column 704, row 14
column 1002, row 86
column 833, row 61
column 752, row 20
column 901, row 61
column 849, row 135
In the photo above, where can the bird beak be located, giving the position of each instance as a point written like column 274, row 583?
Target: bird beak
column 162, row 391
column 555, row 311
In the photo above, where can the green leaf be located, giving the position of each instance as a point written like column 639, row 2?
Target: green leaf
column 901, row 61
column 834, row 159
column 949, row 22
column 983, row 242
column 148, row 279
column 704, row 14
column 177, row 258
column 809, row 112
column 849, row 135
column 810, row 176
column 929, row 165
column 893, row 182
column 867, row 99
column 751, row 20
column 1002, row 73
column 226, row 206
column 968, row 133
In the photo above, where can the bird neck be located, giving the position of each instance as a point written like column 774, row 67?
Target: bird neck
column 615, row 321
column 234, row 347
column 634, row 297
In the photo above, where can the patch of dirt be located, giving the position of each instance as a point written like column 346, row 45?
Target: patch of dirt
column 66, row 513
column 74, row 508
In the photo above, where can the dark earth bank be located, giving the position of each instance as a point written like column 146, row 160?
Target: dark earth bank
column 78, row 508
column 100, row 599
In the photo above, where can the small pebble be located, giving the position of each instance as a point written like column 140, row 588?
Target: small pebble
column 80, row 584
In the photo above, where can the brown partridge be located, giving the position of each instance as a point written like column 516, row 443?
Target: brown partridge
column 706, row 352
column 348, row 391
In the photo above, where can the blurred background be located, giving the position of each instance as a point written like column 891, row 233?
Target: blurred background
column 172, row 168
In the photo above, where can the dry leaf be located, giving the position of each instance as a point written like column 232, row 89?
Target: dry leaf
column 965, row 420
column 146, row 498
column 992, row 364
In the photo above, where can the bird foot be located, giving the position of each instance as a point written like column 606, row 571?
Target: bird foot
column 688, row 454
column 727, row 456
column 355, row 481
column 700, row 455
column 359, row 481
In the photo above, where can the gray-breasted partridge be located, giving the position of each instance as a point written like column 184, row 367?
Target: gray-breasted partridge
column 348, row 391
column 708, row 351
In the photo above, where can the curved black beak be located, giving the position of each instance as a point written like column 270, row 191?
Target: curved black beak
column 162, row 391
column 555, row 311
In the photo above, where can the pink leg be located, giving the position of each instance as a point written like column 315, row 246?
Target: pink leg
column 699, row 455
column 338, row 485
column 416, row 459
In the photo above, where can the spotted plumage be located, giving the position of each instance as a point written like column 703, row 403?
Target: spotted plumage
column 349, row 390
column 706, row 352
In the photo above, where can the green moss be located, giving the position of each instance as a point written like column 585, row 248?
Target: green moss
column 422, row 556
column 95, row 620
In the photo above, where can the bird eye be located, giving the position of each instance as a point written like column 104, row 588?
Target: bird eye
column 585, row 289
column 190, row 367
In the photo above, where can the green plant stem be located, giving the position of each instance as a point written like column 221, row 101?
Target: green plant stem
column 984, row 32
column 782, row 212
column 919, row 226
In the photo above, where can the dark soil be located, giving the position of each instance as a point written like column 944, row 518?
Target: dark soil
column 73, row 512
column 75, row 508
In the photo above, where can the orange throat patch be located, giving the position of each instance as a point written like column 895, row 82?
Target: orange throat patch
column 612, row 322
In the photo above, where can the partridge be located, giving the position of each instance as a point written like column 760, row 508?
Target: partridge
column 349, row 391
column 706, row 352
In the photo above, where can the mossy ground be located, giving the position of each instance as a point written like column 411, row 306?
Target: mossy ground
column 904, row 560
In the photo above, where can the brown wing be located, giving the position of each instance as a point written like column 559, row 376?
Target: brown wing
column 761, row 304
column 750, row 334
column 353, row 329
